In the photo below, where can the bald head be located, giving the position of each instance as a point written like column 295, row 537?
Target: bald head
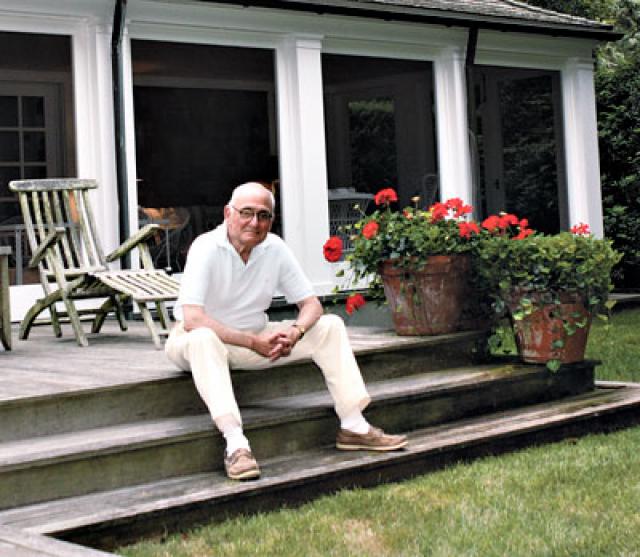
column 250, row 189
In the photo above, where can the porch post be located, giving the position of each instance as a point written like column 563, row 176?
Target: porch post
column 303, row 168
column 94, row 124
column 581, row 145
column 451, row 113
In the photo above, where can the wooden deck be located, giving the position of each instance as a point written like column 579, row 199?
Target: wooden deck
column 119, row 406
column 44, row 365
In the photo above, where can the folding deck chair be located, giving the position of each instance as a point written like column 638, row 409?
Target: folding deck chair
column 66, row 249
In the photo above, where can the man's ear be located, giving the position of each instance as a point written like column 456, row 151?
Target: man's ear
column 226, row 211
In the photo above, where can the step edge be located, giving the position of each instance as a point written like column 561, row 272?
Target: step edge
column 365, row 462
column 203, row 426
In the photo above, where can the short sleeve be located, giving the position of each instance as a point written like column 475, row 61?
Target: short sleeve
column 293, row 283
column 194, row 283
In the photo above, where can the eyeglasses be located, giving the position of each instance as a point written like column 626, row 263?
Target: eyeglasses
column 248, row 214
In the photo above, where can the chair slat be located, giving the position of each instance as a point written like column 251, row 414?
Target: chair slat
column 61, row 220
column 142, row 285
column 74, row 239
column 88, row 238
column 50, row 224
column 92, row 227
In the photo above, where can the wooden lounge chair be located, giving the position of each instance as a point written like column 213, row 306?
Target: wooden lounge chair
column 64, row 242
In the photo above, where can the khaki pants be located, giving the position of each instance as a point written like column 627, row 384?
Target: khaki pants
column 209, row 360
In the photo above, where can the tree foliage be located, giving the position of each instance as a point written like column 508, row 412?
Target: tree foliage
column 618, row 95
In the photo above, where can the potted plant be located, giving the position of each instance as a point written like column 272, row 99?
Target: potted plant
column 415, row 258
column 549, row 285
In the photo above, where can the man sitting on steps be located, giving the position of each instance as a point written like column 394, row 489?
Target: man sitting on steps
column 230, row 278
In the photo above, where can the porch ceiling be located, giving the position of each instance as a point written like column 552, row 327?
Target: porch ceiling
column 502, row 15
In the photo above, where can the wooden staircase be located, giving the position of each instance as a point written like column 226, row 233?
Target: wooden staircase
column 135, row 453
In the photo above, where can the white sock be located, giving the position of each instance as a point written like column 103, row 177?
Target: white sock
column 355, row 422
column 235, row 439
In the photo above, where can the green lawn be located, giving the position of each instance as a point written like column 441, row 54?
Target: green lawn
column 579, row 497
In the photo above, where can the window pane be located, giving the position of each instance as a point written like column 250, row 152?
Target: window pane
column 8, row 173
column 205, row 123
column 9, row 147
column 35, row 172
column 33, row 112
column 8, row 111
column 372, row 133
column 519, row 138
column 34, row 150
column 380, row 133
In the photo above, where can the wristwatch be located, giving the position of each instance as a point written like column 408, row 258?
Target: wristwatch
column 301, row 329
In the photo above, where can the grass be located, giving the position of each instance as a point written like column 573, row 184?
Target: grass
column 617, row 346
column 577, row 497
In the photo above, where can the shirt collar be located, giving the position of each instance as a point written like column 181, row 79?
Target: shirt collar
column 221, row 238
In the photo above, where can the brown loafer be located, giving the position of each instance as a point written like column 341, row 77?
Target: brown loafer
column 374, row 440
column 241, row 465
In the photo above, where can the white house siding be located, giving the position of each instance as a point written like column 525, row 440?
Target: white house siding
column 298, row 40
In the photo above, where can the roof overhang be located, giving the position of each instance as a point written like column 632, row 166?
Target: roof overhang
column 448, row 18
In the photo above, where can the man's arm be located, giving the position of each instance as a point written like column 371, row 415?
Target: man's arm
column 270, row 345
column 309, row 311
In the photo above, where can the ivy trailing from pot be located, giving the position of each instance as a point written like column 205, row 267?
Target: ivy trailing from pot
column 550, row 286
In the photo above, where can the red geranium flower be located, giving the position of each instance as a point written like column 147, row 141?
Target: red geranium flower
column 468, row 228
column 354, row 302
column 454, row 203
column 438, row 211
column 370, row 230
column 524, row 232
column 508, row 220
column 463, row 210
column 491, row 223
column 385, row 196
column 581, row 229
column 333, row 249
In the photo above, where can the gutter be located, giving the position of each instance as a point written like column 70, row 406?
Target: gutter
column 472, row 44
column 117, row 76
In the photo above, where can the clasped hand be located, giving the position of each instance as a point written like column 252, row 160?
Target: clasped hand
column 274, row 345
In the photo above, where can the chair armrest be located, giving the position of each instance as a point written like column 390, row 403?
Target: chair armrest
column 140, row 236
column 50, row 239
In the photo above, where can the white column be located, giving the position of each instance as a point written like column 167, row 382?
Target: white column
column 451, row 114
column 93, row 95
column 303, row 167
column 581, row 145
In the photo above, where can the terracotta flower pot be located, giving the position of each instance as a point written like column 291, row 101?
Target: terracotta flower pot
column 542, row 336
column 427, row 301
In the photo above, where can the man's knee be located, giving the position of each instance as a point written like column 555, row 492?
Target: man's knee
column 331, row 321
column 204, row 338
column 330, row 324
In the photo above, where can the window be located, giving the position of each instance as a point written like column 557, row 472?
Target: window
column 205, row 123
column 380, row 133
column 519, row 147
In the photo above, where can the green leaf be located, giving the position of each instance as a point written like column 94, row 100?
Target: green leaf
column 553, row 365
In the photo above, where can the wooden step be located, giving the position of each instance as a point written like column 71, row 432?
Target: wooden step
column 56, row 466
column 114, row 517
column 18, row 543
column 56, row 387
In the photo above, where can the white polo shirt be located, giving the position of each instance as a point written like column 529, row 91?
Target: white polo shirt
column 236, row 293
